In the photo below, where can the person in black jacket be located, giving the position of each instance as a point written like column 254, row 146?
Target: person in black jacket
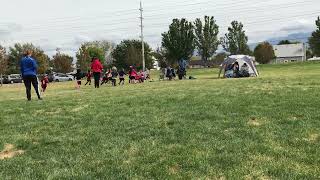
column 78, row 78
column 121, row 76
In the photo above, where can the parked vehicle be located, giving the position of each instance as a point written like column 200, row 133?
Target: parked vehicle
column 71, row 76
column 59, row 77
column 13, row 78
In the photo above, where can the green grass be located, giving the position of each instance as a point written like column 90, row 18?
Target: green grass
column 257, row 128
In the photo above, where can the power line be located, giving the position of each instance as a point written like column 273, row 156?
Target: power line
column 77, row 18
column 155, row 25
column 247, row 10
column 90, row 25
column 110, row 24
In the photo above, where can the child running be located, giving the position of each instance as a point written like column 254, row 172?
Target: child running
column 78, row 78
column 132, row 75
column 122, row 74
column 106, row 77
column 44, row 83
column 142, row 76
column 114, row 75
column 89, row 76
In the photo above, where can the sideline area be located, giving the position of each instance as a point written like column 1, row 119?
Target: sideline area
column 208, row 128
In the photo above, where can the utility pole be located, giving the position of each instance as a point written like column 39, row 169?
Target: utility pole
column 2, row 58
column 142, row 41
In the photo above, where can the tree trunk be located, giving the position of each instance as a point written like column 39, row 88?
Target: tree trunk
column 1, row 79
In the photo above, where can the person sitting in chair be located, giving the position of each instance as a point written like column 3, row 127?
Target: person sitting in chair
column 244, row 70
column 236, row 70
column 228, row 70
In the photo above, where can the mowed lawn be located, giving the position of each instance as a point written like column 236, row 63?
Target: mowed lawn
column 208, row 128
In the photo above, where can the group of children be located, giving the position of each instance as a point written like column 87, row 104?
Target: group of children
column 110, row 76
column 113, row 74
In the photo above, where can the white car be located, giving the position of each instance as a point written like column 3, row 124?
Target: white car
column 62, row 77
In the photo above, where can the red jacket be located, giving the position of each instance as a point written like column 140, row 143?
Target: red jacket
column 96, row 66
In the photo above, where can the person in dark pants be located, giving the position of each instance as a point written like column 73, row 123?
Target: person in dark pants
column 96, row 68
column 114, row 75
column 28, row 68
column 78, row 78
column 89, row 75
column 121, row 76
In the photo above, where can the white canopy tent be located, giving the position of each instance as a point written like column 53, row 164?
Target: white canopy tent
column 241, row 59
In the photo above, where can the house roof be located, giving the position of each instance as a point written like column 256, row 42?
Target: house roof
column 289, row 50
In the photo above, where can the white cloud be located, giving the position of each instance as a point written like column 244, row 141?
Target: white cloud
column 66, row 24
column 7, row 29
column 298, row 26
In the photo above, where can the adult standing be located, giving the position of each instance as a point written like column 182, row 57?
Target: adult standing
column 28, row 68
column 96, row 68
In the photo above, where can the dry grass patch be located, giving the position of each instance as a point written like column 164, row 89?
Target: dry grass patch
column 174, row 169
column 57, row 111
column 313, row 137
column 80, row 108
column 257, row 175
column 9, row 152
column 255, row 122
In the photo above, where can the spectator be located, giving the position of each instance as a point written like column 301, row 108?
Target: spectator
column 169, row 73
column 28, row 68
column 244, row 70
column 236, row 71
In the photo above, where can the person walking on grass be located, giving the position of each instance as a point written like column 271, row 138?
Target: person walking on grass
column 89, row 76
column 96, row 68
column 28, row 68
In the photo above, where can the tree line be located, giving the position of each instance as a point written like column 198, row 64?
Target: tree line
column 184, row 37
column 179, row 42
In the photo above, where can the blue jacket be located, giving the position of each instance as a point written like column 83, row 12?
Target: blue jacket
column 28, row 66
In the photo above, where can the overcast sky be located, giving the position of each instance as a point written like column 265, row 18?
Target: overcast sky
column 68, row 23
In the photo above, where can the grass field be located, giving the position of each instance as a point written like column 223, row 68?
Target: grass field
column 257, row 128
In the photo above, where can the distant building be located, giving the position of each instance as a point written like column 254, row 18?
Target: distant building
column 290, row 53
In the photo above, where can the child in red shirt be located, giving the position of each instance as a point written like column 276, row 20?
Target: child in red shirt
column 44, row 83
